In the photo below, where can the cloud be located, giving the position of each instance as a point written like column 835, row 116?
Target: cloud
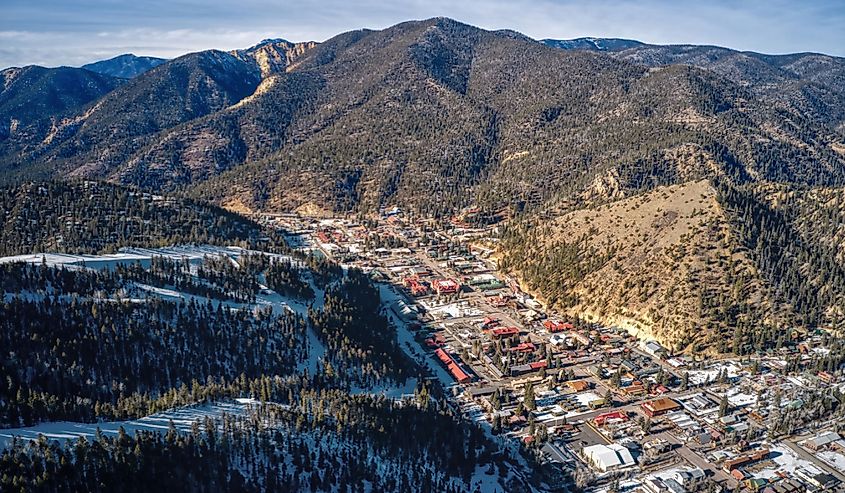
column 54, row 32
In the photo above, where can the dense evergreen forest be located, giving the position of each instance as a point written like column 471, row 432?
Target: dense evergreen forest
column 95, row 217
column 80, row 345
column 804, row 270
column 313, row 440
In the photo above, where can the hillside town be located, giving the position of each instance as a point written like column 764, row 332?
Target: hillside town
column 619, row 414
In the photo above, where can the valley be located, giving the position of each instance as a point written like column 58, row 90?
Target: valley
column 565, row 387
column 429, row 257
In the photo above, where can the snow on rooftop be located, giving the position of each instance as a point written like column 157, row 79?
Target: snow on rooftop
column 737, row 398
column 610, row 456
column 833, row 459
column 585, row 398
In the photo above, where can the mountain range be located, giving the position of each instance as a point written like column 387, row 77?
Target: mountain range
column 437, row 115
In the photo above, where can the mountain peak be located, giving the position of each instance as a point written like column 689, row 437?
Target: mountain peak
column 273, row 55
column 125, row 66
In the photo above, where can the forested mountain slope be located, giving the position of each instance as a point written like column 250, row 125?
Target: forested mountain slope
column 94, row 217
column 437, row 114
column 703, row 265
column 504, row 120
column 811, row 82
column 34, row 101
column 295, row 347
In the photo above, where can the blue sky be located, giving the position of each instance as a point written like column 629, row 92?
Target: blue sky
column 74, row 32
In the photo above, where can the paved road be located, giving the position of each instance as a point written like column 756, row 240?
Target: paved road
column 696, row 460
column 815, row 460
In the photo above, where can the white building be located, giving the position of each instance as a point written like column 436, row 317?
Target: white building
column 609, row 457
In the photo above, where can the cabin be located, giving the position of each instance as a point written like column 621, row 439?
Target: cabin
column 578, row 385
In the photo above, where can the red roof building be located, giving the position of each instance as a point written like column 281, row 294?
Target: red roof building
column 445, row 286
column 417, row 288
column 497, row 301
column 503, row 332
column 523, row 347
column 452, row 366
column 557, row 325
column 612, row 417
column 826, row 377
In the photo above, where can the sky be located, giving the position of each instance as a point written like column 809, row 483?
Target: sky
column 75, row 32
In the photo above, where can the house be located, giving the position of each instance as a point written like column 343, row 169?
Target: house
column 416, row 287
column 661, row 485
column 826, row 377
column 654, row 448
column 636, row 388
column 504, row 332
column 610, row 457
column 404, row 311
column 785, row 486
column 756, row 484
column 452, row 366
column 477, row 392
column 522, row 347
column 659, row 407
column 822, row 480
column 497, row 301
column 691, row 478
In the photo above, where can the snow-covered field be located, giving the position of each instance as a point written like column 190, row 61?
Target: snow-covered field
column 182, row 419
column 585, row 398
column 786, row 460
column 738, row 398
column 192, row 253
column 833, row 459
column 698, row 377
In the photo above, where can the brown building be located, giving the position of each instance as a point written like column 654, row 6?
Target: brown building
column 659, row 407
column 578, row 385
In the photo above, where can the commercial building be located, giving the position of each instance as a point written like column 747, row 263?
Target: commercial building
column 821, row 441
column 609, row 457
column 659, row 407
column 445, row 286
